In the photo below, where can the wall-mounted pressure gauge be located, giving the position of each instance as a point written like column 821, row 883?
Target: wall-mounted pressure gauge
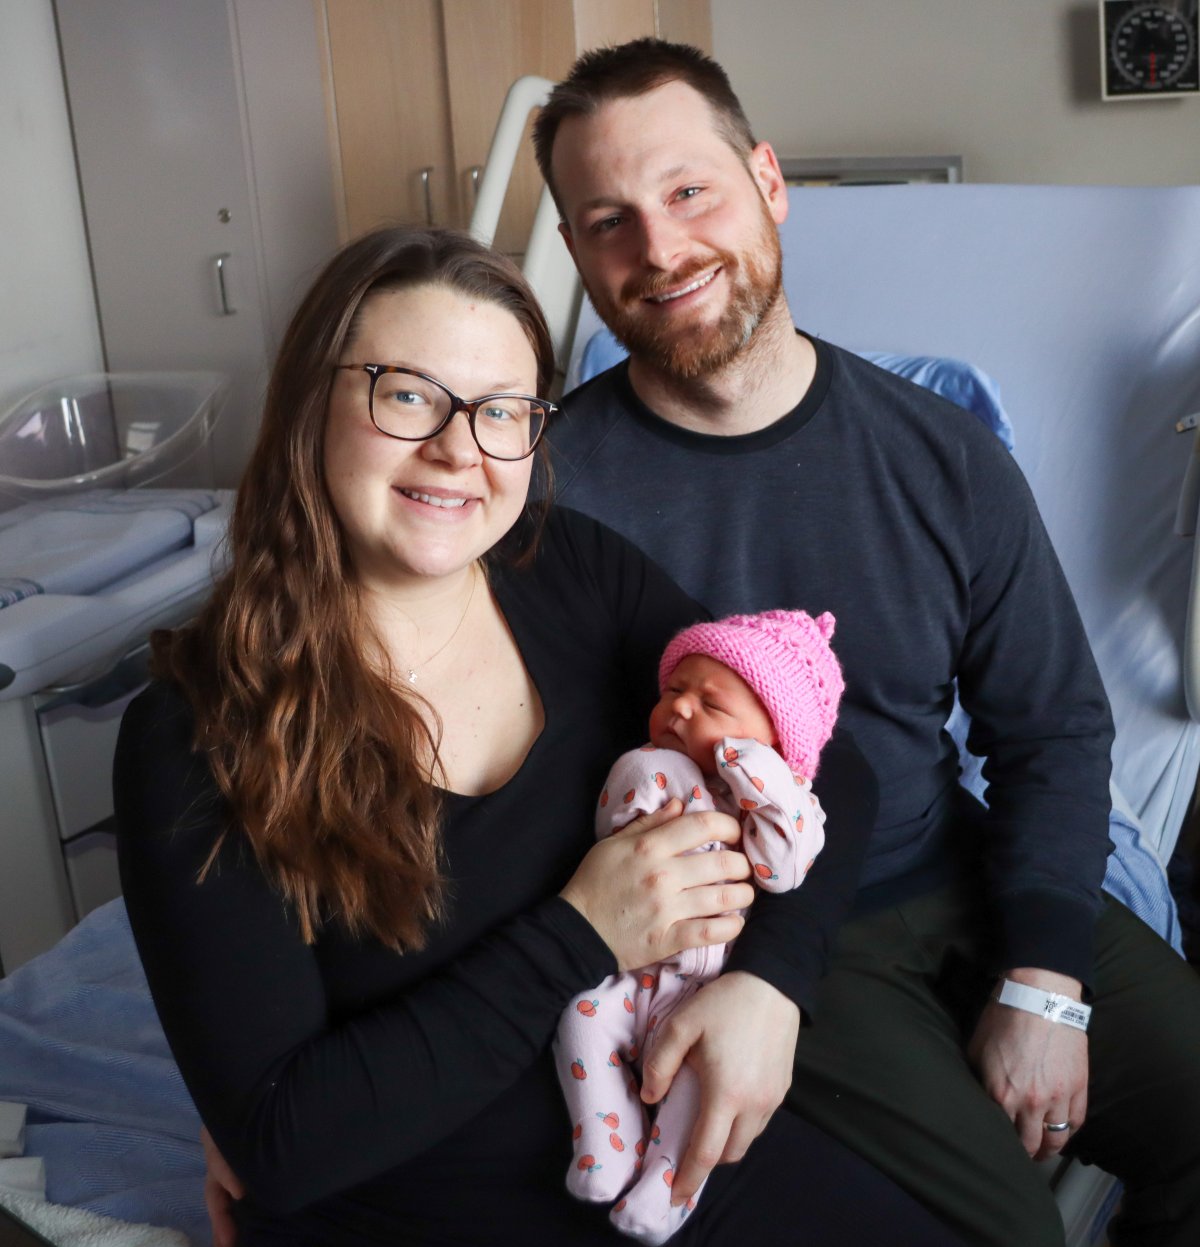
column 1149, row 50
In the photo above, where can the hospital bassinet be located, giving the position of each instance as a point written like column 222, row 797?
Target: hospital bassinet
column 109, row 527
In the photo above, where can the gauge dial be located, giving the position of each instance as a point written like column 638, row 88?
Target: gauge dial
column 1152, row 46
column 1149, row 49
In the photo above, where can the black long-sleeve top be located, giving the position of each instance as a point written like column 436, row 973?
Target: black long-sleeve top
column 357, row 1092
column 906, row 517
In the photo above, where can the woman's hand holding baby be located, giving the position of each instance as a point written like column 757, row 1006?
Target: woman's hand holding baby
column 648, row 896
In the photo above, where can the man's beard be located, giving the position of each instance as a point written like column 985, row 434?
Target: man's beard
column 689, row 351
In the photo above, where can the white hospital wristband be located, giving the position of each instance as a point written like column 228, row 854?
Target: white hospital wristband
column 1049, row 1005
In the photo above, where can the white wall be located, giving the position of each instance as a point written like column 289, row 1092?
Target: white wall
column 1013, row 86
column 47, row 314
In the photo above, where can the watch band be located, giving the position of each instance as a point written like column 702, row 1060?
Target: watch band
column 1052, row 1006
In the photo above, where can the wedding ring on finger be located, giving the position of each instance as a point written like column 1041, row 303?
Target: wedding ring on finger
column 1056, row 1127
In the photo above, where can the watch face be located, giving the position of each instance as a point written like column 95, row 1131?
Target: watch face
column 1149, row 49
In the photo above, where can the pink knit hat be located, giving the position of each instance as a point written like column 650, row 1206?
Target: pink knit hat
column 784, row 656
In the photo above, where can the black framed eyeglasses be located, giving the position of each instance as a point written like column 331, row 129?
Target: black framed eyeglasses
column 413, row 407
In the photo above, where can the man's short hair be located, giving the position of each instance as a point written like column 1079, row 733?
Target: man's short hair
column 632, row 69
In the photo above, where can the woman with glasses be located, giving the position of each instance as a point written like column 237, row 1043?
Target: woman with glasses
column 354, row 801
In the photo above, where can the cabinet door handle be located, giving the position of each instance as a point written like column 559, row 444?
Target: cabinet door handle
column 475, row 172
column 426, row 173
column 219, row 263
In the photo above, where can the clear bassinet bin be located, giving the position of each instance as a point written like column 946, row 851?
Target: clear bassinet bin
column 116, row 430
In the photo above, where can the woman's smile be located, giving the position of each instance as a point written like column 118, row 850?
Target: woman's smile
column 439, row 499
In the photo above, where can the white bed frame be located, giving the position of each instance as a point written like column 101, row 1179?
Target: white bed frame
column 547, row 263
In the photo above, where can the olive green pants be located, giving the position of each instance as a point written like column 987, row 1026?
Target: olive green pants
column 883, row 1069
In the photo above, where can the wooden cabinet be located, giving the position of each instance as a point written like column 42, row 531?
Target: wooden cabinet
column 489, row 43
column 415, row 86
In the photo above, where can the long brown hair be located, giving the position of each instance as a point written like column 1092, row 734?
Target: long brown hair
column 631, row 69
column 321, row 758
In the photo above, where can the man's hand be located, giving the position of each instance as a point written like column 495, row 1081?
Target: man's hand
column 221, row 1187
column 1037, row 1071
column 739, row 1035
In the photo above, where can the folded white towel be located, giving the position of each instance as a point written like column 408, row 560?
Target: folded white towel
column 73, row 1227
column 23, row 1175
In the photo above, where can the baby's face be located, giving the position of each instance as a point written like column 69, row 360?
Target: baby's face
column 704, row 701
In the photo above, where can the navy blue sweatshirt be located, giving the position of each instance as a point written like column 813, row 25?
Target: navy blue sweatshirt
column 906, row 517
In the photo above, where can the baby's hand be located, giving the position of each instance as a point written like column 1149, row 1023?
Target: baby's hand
column 783, row 821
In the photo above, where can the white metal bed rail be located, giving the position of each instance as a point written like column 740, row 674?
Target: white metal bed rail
column 547, row 263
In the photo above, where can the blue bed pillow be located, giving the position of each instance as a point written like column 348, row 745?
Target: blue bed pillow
column 961, row 383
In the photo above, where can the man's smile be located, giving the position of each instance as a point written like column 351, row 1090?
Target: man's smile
column 697, row 284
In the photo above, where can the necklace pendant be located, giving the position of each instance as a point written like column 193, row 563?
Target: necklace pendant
column 441, row 649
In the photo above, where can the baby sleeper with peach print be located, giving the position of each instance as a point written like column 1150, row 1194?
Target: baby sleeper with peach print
column 621, row 1153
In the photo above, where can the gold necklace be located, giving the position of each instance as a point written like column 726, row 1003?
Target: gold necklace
column 412, row 671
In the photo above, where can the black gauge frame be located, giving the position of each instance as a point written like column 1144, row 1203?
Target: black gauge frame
column 1117, row 19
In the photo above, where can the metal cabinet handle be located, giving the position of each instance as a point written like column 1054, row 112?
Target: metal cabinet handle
column 426, row 173
column 219, row 263
column 475, row 172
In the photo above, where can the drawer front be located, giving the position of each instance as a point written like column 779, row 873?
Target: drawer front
column 92, row 870
column 79, row 741
column 78, row 727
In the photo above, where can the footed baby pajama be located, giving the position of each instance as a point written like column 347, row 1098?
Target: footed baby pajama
column 621, row 1152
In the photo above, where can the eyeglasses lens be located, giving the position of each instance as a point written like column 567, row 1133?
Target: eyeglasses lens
column 507, row 425
column 407, row 406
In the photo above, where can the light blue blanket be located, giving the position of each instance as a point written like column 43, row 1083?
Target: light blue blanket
column 81, row 1045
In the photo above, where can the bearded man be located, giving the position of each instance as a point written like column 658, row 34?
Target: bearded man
column 949, row 1040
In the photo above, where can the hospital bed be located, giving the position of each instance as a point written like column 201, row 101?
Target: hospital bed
column 1068, row 319
column 1074, row 313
